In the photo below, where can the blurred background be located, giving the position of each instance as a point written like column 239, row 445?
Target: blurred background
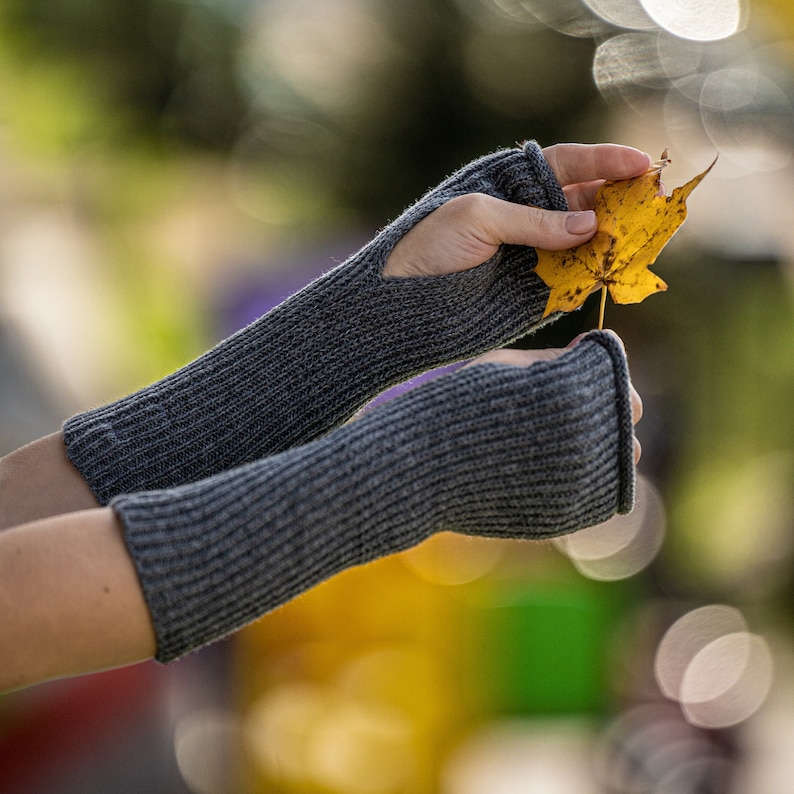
column 170, row 169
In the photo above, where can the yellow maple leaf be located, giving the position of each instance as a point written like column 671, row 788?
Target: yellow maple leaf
column 635, row 221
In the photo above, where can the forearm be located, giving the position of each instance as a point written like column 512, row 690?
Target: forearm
column 70, row 601
column 38, row 480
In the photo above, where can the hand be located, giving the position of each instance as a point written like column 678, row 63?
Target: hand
column 525, row 358
column 468, row 229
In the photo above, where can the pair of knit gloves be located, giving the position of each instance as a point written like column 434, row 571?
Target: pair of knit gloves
column 240, row 483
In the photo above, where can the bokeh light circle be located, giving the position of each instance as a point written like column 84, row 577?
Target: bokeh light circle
column 699, row 20
column 727, row 680
column 625, row 61
column 653, row 748
column 203, row 745
column 718, row 671
column 565, row 16
column 686, row 637
column 624, row 545
column 313, row 736
column 748, row 117
column 622, row 13
column 678, row 58
column 451, row 559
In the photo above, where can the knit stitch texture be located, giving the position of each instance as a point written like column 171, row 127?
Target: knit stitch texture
column 311, row 363
column 493, row 450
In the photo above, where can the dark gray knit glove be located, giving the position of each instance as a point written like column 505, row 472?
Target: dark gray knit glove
column 491, row 450
column 308, row 365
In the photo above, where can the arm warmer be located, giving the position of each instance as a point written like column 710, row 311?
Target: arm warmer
column 311, row 363
column 492, row 450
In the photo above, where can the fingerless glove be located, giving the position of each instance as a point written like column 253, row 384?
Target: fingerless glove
column 311, row 363
column 492, row 450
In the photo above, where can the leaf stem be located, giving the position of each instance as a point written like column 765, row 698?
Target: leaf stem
column 603, row 306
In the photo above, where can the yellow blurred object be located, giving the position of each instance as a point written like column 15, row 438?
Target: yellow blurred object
column 781, row 13
column 368, row 683
column 349, row 688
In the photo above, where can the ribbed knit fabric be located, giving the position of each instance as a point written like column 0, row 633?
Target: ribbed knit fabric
column 312, row 362
column 490, row 450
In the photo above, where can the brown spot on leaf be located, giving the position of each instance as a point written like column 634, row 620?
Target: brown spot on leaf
column 645, row 221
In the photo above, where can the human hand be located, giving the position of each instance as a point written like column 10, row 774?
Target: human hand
column 525, row 358
column 467, row 230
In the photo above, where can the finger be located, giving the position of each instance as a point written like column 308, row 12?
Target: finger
column 581, row 196
column 615, row 337
column 634, row 396
column 505, row 222
column 578, row 162
column 517, row 358
column 637, row 451
column 636, row 405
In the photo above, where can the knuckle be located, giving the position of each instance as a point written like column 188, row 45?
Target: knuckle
column 547, row 226
column 469, row 204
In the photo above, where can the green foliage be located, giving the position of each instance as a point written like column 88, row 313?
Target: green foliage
column 374, row 100
column 167, row 67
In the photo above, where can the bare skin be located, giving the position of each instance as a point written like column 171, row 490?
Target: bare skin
column 70, row 600
column 37, row 481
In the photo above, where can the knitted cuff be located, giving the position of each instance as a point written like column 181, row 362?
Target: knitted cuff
column 308, row 365
column 491, row 450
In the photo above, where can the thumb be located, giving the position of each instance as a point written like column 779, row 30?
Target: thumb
column 549, row 229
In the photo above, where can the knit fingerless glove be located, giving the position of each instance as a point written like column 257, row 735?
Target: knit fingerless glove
column 492, row 450
column 312, row 362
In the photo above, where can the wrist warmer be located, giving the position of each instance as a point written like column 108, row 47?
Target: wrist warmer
column 493, row 450
column 312, row 362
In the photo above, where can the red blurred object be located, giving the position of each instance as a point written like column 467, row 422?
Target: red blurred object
column 54, row 726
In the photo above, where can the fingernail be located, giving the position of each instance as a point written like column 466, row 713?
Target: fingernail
column 580, row 222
